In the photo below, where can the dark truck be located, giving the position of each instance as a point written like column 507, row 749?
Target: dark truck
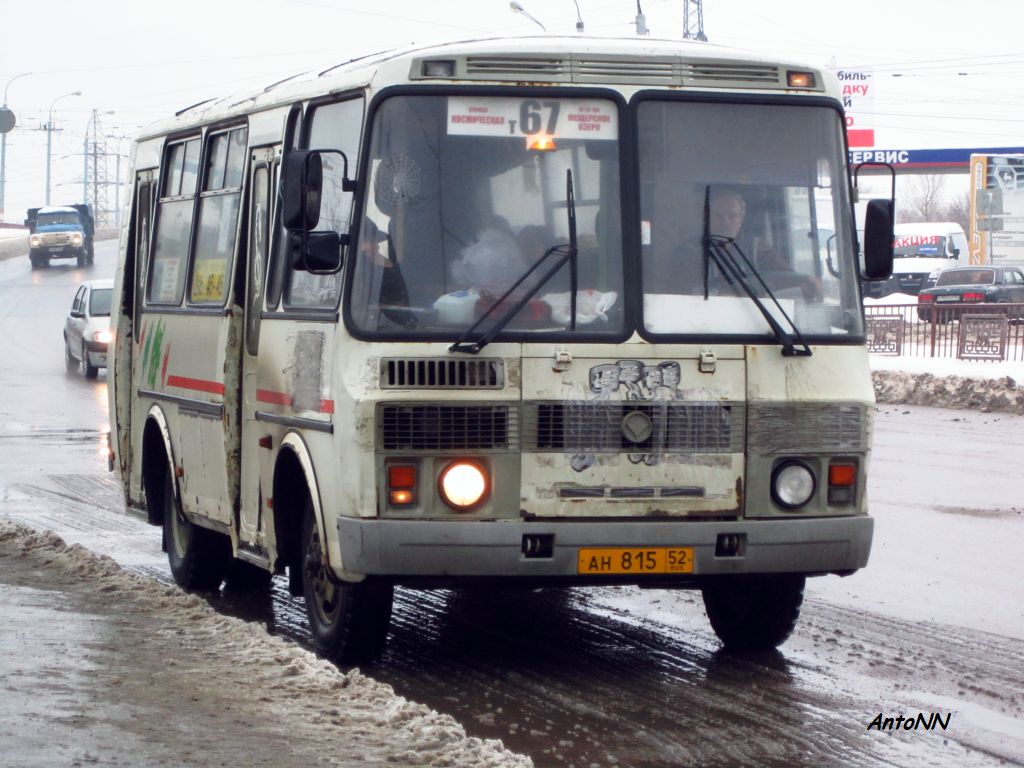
column 60, row 232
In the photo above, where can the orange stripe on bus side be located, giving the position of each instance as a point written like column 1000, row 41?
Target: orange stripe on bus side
column 198, row 385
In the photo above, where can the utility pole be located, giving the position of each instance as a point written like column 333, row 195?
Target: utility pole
column 7, row 121
column 693, row 20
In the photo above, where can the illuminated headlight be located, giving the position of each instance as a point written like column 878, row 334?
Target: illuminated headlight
column 35, row 241
column 76, row 238
column 463, row 485
column 792, row 484
column 103, row 337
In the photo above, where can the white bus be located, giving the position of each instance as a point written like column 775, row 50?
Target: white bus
column 543, row 312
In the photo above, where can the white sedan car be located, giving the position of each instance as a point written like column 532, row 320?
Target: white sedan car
column 87, row 327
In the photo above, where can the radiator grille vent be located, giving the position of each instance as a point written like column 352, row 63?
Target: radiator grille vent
column 443, row 373
column 663, row 70
column 432, row 427
column 808, row 428
column 501, row 67
column 591, row 427
column 738, row 73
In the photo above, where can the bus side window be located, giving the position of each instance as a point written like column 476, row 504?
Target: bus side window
column 218, row 217
column 259, row 231
column 166, row 273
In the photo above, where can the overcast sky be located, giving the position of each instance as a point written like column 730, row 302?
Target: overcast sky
column 946, row 73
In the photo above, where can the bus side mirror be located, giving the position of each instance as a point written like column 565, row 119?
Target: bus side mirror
column 318, row 253
column 302, row 183
column 878, row 239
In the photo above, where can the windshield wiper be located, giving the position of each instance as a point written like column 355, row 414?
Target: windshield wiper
column 731, row 260
column 567, row 253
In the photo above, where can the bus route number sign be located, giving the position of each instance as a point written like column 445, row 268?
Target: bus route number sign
column 553, row 118
column 604, row 561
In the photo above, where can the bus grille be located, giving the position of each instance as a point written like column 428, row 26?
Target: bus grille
column 442, row 373
column 808, row 427
column 433, row 427
column 596, row 427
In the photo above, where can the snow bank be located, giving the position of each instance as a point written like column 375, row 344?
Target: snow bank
column 293, row 682
column 965, row 392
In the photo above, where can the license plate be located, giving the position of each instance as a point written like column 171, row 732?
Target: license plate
column 631, row 560
column 947, row 298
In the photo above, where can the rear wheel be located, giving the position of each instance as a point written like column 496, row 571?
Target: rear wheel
column 90, row 370
column 198, row 557
column 348, row 621
column 754, row 613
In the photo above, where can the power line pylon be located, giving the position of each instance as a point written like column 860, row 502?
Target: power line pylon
column 95, row 177
column 693, row 20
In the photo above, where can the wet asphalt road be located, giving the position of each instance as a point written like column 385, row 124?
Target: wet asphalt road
column 612, row 676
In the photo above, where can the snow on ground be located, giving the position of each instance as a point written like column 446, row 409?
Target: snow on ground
column 355, row 710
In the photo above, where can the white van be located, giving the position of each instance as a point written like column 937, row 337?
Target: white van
column 921, row 251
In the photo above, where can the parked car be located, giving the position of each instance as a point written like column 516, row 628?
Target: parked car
column 87, row 327
column 983, row 285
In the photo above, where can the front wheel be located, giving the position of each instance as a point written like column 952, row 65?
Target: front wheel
column 198, row 557
column 754, row 613
column 71, row 364
column 91, row 371
column 348, row 621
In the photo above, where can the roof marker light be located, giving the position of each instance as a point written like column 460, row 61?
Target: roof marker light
column 439, row 68
column 800, row 79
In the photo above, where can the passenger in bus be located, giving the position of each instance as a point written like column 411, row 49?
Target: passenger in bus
column 492, row 264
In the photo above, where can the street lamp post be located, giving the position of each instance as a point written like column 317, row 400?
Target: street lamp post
column 49, row 138
column 3, row 146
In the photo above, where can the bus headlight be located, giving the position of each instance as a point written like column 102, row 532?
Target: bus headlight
column 793, row 484
column 463, row 485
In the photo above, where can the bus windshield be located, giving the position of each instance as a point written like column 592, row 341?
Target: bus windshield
column 765, row 182
column 466, row 193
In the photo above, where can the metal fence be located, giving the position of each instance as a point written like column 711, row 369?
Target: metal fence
column 978, row 332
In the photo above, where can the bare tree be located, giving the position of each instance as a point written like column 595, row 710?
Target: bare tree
column 959, row 210
column 923, row 200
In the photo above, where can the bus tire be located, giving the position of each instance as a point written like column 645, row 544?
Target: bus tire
column 754, row 613
column 348, row 621
column 198, row 557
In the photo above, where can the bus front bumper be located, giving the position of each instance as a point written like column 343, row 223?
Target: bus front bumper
column 550, row 549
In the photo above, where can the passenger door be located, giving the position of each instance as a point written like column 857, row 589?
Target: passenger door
column 128, row 337
column 263, row 164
